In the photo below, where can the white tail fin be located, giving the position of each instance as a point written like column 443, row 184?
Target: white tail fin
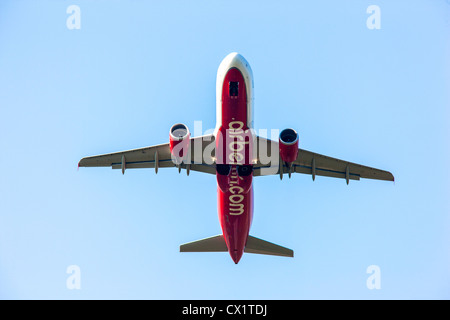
column 254, row 245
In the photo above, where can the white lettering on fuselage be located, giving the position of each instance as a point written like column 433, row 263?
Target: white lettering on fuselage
column 236, row 155
column 237, row 143
column 236, row 197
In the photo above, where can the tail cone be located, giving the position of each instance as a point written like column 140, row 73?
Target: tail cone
column 236, row 255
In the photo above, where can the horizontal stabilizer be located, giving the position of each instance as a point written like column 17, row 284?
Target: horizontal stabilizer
column 254, row 245
column 212, row 244
column 259, row 246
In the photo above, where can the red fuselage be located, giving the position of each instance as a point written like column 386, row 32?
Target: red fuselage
column 233, row 156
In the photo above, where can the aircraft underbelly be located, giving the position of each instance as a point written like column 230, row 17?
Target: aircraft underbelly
column 235, row 216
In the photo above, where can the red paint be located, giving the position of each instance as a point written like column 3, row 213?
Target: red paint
column 233, row 129
column 223, row 182
column 288, row 152
column 233, row 147
column 234, row 108
column 288, row 144
column 179, row 146
column 236, row 213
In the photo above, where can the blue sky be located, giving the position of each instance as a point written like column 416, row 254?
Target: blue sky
column 375, row 97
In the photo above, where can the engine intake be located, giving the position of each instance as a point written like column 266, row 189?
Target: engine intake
column 179, row 139
column 288, row 145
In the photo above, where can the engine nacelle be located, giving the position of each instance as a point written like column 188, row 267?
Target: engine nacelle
column 179, row 139
column 288, row 143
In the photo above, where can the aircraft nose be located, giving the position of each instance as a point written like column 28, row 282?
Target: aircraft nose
column 238, row 59
column 233, row 56
column 235, row 59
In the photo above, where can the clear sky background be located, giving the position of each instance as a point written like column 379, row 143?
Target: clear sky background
column 376, row 97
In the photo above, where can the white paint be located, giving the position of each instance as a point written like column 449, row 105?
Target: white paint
column 234, row 60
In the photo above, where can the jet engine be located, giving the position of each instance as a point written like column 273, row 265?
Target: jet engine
column 179, row 139
column 288, row 145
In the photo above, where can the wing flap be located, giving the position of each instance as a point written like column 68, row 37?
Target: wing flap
column 323, row 172
column 144, row 164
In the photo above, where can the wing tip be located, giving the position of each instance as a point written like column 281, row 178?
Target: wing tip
column 391, row 176
column 80, row 163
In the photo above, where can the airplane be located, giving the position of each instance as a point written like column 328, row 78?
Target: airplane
column 235, row 154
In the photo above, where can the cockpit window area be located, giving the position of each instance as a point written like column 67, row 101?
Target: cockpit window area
column 234, row 88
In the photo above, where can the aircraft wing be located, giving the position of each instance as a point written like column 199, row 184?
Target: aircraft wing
column 315, row 164
column 158, row 156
